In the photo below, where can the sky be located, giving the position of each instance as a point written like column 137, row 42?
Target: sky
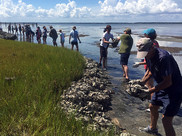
column 90, row 10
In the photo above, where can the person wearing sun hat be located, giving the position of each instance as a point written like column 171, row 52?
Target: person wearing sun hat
column 168, row 90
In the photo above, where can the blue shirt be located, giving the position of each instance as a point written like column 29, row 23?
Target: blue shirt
column 74, row 35
column 163, row 64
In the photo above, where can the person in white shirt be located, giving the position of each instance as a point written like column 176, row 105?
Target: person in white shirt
column 104, row 46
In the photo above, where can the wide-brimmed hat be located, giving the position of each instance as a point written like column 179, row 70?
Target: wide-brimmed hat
column 150, row 32
column 143, row 47
column 127, row 30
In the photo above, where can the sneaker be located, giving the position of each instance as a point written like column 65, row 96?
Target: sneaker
column 148, row 130
column 104, row 69
column 147, row 110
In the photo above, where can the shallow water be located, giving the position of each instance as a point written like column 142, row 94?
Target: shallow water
column 130, row 111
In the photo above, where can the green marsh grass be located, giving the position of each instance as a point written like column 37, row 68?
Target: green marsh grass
column 32, row 78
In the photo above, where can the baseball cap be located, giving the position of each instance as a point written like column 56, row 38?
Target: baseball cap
column 127, row 30
column 150, row 32
column 143, row 47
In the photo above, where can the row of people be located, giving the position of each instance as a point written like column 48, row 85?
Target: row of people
column 14, row 29
column 161, row 66
column 73, row 36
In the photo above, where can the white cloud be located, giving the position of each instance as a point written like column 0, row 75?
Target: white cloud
column 139, row 7
column 21, row 9
column 109, row 10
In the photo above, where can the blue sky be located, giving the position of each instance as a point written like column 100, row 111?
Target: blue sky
column 91, row 10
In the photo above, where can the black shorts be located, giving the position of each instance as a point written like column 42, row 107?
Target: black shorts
column 171, row 103
column 103, row 52
column 124, row 58
column 74, row 43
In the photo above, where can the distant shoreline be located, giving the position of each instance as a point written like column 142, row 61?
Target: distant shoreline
column 91, row 22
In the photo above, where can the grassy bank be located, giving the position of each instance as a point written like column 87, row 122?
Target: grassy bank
column 32, row 79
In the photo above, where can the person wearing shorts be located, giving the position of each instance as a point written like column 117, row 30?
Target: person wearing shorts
column 125, row 49
column 44, row 34
column 75, row 37
column 62, row 38
column 168, row 91
column 53, row 34
column 104, row 46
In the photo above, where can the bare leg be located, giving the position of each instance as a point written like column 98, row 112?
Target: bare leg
column 100, row 60
column 124, row 75
column 154, row 115
column 125, row 68
column 77, row 47
column 62, row 44
column 104, row 60
column 168, row 127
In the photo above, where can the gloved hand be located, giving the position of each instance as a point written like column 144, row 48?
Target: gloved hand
column 136, row 64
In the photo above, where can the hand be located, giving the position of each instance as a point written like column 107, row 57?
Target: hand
column 80, row 41
column 136, row 64
column 140, row 82
column 146, row 90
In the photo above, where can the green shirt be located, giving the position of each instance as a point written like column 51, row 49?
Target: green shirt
column 126, row 43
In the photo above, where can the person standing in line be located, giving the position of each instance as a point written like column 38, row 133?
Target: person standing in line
column 124, row 51
column 104, row 46
column 16, row 29
column 38, row 34
column 12, row 29
column 53, row 34
column 23, row 30
column 62, row 38
column 19, row 28
column 168, row 91
column 9, row 28
column 75, row 37
column 148, row 33
column 44, row 35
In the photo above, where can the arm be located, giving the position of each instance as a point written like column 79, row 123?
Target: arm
column 167, row 82
column 104, row 40
column 147, row 76
column 79, row 39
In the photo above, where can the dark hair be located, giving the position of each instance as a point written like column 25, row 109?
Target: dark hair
column 108, row 27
